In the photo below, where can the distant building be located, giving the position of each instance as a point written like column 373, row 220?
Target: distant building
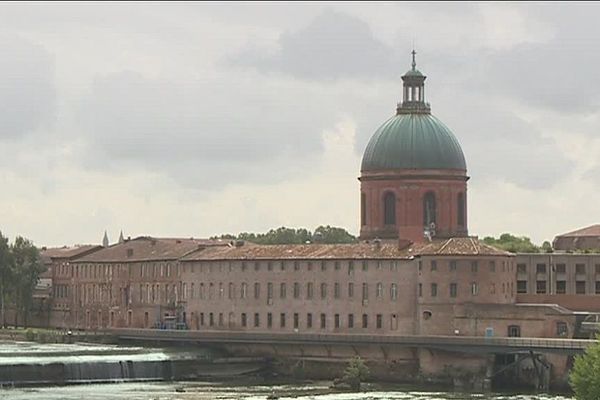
column 587, row 238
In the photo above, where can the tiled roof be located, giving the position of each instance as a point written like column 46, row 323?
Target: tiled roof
column 592, row 230
column 68, row 252
column 461, row 246
column 385, row 250
column 302, row 251
column 146, row 248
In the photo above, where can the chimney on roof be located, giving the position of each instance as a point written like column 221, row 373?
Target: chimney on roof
column 128, row 238
column 44, row 248
column 105, row 242
column 377, row 243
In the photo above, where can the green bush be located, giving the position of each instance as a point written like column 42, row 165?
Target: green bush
column 585, row 375
column 30, row 334
column 355, row 373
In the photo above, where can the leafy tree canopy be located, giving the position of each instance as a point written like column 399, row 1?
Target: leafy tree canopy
column 283, row 235
column 585, row 375
column 516, row 244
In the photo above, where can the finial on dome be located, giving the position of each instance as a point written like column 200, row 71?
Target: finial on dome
column 414, row 62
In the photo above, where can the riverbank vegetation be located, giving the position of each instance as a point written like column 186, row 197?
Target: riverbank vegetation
column 585, row 375
column 20, row 269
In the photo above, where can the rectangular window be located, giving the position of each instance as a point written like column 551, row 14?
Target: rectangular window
column 282, row 291
column 453, row 289
column 309, row 264
column 597, row 287
column 296, row 290
column 337, row 265
column 309, row 320
column 211, row 319
column 365, row 266
column 580, row 287
column 365, row 291
column 336, row 290
column 365, row 321
column 296, row 265
column 580, row 269
column 220, row 319
column 540, row 287
column 351, row 267
column 474, row 288
column 453, row 265
column 521, row 287
column 561, row 268
column 257, row 290
column 420, row 290
column 597, row 268
column 269, row 320
column 256, row 266
column 244, row 266
column 296, row 320
column 244, row 320
column 492, row 266
column 350, row 320
column 282, row 320
column 561, row 287
column 270, row 266
column 256, row 320
column 323, row 291
column 379, row 321
column 540, row 268
column 474, row 266
column 350, row 290
column 433, row 265
column 521, row 268
column 561, row 329
column 434, row 290
column 336, row 319
column 309, row 290
column 323, row 265
column 323, row 321
column 270, row 290
column 282, row 265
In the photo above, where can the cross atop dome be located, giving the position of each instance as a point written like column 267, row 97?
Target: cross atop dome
column 414, row 62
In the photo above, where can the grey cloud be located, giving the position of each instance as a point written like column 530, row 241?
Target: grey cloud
column 334, row 45
column 27, row 92
column 217, row 131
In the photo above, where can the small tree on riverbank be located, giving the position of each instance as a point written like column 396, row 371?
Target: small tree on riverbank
column 585, row 376
column 355, row 373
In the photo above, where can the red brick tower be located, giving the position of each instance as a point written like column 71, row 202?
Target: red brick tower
column 413, row 173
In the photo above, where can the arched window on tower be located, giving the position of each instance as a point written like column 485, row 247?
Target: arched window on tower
column 363, row 209
column 429, row 209
column 460, row 204
column 389, row 209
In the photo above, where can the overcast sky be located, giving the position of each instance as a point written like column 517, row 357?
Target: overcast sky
column 182, row 119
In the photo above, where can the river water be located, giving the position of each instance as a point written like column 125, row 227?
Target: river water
column 36, row 365
column 229, row 391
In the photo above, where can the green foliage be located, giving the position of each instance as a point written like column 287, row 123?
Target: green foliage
column 513, row 244
column 283, row 235
column 28, row 267
column 30, row 335
column 6, row 276
column 355, row 373
column 585, row 375
column 547, row 247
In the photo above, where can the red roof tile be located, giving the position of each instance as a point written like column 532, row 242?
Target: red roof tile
column 592, row 230
column 68, row 252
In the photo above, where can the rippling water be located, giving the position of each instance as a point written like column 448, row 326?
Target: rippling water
column 216, row 391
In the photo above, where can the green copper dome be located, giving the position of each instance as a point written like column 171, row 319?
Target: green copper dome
column 413, row 141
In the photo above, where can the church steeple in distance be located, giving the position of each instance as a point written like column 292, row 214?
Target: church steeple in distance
column 413, row 99
column 105, row 242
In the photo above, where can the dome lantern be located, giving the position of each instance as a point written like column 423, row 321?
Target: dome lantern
column 413, row 100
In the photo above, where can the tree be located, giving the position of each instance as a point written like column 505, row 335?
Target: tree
column 283, row 235
column 6, row 276
column 355, row 373
column 513, row 244
column 585, row 375
column 27, row 269
column 547, row 247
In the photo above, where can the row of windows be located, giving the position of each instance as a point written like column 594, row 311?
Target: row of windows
column 453, row 264
column 474, row 289
column 429, row 209
column 255, row 320
column 559, row 268
column 296, row 265
column 156, row 293
column 561, row 287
